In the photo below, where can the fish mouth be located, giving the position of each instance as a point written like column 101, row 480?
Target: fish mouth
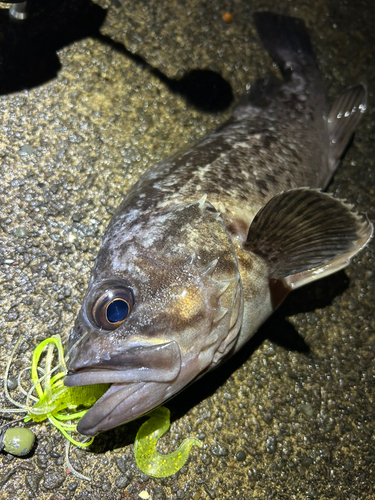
column 142, row 363
column 141, row 378
column 121, row 404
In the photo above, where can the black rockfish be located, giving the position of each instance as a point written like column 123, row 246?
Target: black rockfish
column 209, row 242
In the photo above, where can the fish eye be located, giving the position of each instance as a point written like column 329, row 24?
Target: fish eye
column 112, row 308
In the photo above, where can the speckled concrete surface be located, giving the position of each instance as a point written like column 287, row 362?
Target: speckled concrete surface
column 290, row 417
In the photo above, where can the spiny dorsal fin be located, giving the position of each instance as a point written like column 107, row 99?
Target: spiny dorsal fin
column 306, row 234
column 343, row 118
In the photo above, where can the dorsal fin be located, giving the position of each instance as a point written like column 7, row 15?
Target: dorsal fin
column 305, row 234
column 342, row 120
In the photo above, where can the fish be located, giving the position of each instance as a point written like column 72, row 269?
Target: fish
column 209, row 242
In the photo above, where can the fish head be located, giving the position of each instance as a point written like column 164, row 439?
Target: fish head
column 163, row 306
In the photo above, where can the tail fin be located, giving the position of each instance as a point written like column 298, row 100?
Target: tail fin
column 286, row 39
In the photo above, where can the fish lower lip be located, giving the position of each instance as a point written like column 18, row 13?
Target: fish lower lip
column 120, row 404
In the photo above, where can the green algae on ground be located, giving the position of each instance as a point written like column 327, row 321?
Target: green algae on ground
column 148, row 459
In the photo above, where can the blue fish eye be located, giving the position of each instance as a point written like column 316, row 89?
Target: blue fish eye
column 112, row 307
column 117, row 311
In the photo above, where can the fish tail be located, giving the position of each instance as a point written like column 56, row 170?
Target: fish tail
column 286, row 39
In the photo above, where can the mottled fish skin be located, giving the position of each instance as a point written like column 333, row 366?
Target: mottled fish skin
column 179, row 241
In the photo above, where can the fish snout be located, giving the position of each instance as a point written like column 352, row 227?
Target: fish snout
column 140, row 363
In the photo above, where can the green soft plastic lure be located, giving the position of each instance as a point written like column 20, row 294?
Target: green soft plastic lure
column 148, row 459
column 59, row 404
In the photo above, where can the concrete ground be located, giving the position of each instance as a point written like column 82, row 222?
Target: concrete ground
column 92, row 94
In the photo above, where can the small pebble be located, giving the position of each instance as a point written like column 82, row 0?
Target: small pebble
column 26, row 150
column 219, row 450
column 271, row 444
column 12, row 383
column 307, row 409
column 21, row 232
column 240, row 456
column 72, row 486
column 227, row 17
column 201, row 436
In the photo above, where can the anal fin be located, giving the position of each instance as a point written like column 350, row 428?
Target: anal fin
column 305, row 234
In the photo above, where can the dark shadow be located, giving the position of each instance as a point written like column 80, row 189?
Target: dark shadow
column 203, row 88
column 277, row 329
column 28, row 52
column 28, row 49
column 116, row 438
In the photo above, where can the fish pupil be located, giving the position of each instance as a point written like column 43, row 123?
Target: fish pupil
column 117, row 310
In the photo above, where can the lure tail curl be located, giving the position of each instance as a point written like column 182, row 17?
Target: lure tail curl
column 61, row 405
column 148, row 459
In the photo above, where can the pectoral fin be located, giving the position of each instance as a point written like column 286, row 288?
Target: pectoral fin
column 305, row 235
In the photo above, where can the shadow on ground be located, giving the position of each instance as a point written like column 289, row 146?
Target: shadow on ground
column 28, row 52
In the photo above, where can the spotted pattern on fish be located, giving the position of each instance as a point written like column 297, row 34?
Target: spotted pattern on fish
column 199, row 243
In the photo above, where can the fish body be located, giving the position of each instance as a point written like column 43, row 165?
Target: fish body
column 209, row 242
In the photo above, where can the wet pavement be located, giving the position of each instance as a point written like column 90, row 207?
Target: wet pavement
column 92, row 94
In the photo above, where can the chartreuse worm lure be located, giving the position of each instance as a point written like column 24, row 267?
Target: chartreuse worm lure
column 55, row 402
column 148, row 459
column 60, row 405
